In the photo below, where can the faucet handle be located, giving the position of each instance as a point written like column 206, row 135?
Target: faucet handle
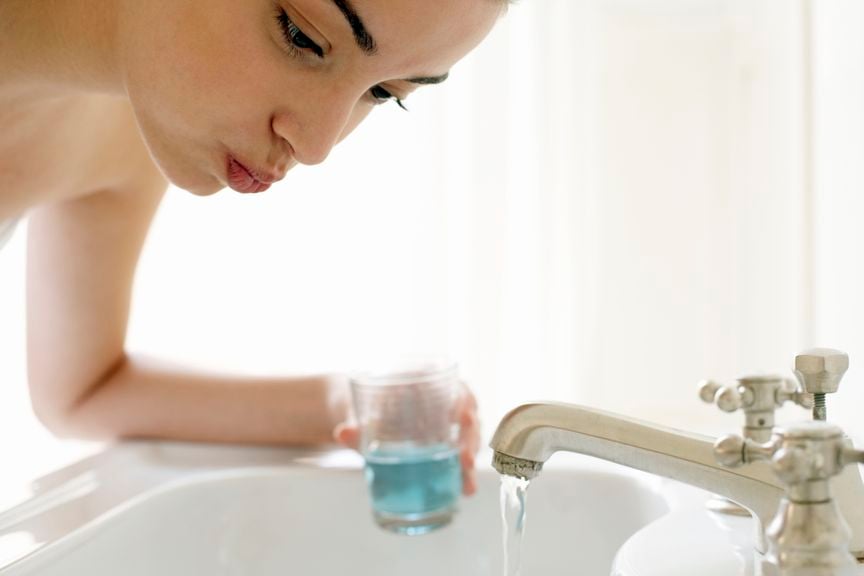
column 793, row 391
column 733, row 450
column 804, row 456
column 800, row 453
column 851, row 456
column 758, row 397
column 728, row 398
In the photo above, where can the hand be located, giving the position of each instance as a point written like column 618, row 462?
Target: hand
column 348, row 435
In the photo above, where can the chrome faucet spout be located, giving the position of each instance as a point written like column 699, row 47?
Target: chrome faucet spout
column 529, row 434
column 533, row 432
column 518, row 467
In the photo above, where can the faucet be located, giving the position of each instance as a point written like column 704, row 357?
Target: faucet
column 808, row 535
column 528, row 435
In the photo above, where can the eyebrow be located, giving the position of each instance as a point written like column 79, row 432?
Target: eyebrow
column 429, row 79
column 368, row 45
column 364, row 40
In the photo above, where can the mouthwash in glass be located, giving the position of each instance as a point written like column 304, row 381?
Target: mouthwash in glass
column 414, row 488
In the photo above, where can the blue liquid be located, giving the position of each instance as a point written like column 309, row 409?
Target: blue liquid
column 414, row 483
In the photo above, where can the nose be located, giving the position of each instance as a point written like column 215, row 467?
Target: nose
column 314, row 124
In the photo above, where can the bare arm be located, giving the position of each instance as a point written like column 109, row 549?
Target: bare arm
column 81, row 262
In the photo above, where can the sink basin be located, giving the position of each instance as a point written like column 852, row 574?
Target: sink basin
column 145, row 509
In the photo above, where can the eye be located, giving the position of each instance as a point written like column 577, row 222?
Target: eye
column 380, row 95
column 294, row 37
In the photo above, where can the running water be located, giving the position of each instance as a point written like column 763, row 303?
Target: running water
column 513, row 514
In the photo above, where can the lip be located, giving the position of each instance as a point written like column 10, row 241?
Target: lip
column 247, row 180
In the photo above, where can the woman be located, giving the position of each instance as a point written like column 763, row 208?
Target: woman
column 104, row 102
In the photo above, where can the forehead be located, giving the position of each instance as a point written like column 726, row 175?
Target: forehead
column 431, row 34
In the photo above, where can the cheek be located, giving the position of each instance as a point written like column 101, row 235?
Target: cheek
column 192, row 75
column 360, row 113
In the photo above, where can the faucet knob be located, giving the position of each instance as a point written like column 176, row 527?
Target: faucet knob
column 732, row 450
column 758, row 397
column 794, row 392
column 804, row 457
column 727, row 398
column 794, row 465
column 729, row 451
column 819, row 370
column 707, row 390
column 803, row 452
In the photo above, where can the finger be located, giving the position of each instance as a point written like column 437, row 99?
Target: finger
column 466, row 400
column 470, row 399
column 469, row 473
column 347, row 435
column 469, row 421
column 469, row 431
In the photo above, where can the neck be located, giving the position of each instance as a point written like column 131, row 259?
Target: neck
column 59, row 47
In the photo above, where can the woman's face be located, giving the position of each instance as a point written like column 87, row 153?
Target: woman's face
column 222, row 88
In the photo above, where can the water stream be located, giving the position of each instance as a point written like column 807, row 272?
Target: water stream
column 513, row 492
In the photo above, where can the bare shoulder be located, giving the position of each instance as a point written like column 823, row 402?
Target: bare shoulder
column 64, row 149
column 117, row 188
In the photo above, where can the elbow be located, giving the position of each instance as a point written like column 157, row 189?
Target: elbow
column 69, row 415
column 58, row 419
column 64, row 420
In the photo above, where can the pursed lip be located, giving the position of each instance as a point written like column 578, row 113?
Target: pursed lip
column 246, row 179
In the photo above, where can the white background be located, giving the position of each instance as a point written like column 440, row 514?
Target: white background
column 609, row 201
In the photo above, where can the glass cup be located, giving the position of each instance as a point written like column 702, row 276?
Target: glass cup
column 409, row 437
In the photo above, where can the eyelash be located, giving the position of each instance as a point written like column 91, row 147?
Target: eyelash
column 297, row 42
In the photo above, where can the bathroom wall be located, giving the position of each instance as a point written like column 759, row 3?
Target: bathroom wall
column 694, row 198
column 838, row 198
column 609, row 201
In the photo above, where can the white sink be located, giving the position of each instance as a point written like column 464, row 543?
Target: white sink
column 174, row 509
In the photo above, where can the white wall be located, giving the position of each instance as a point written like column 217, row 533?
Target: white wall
column 838, row 183
column 695, row 130
column 606, row 203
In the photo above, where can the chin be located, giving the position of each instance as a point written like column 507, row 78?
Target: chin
column 197, row 184
column 202, row 190
column 183, row 170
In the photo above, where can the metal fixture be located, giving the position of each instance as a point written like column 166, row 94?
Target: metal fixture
column 808, row 534
column 528, row 435
column 820, row 370
column 758, row 397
